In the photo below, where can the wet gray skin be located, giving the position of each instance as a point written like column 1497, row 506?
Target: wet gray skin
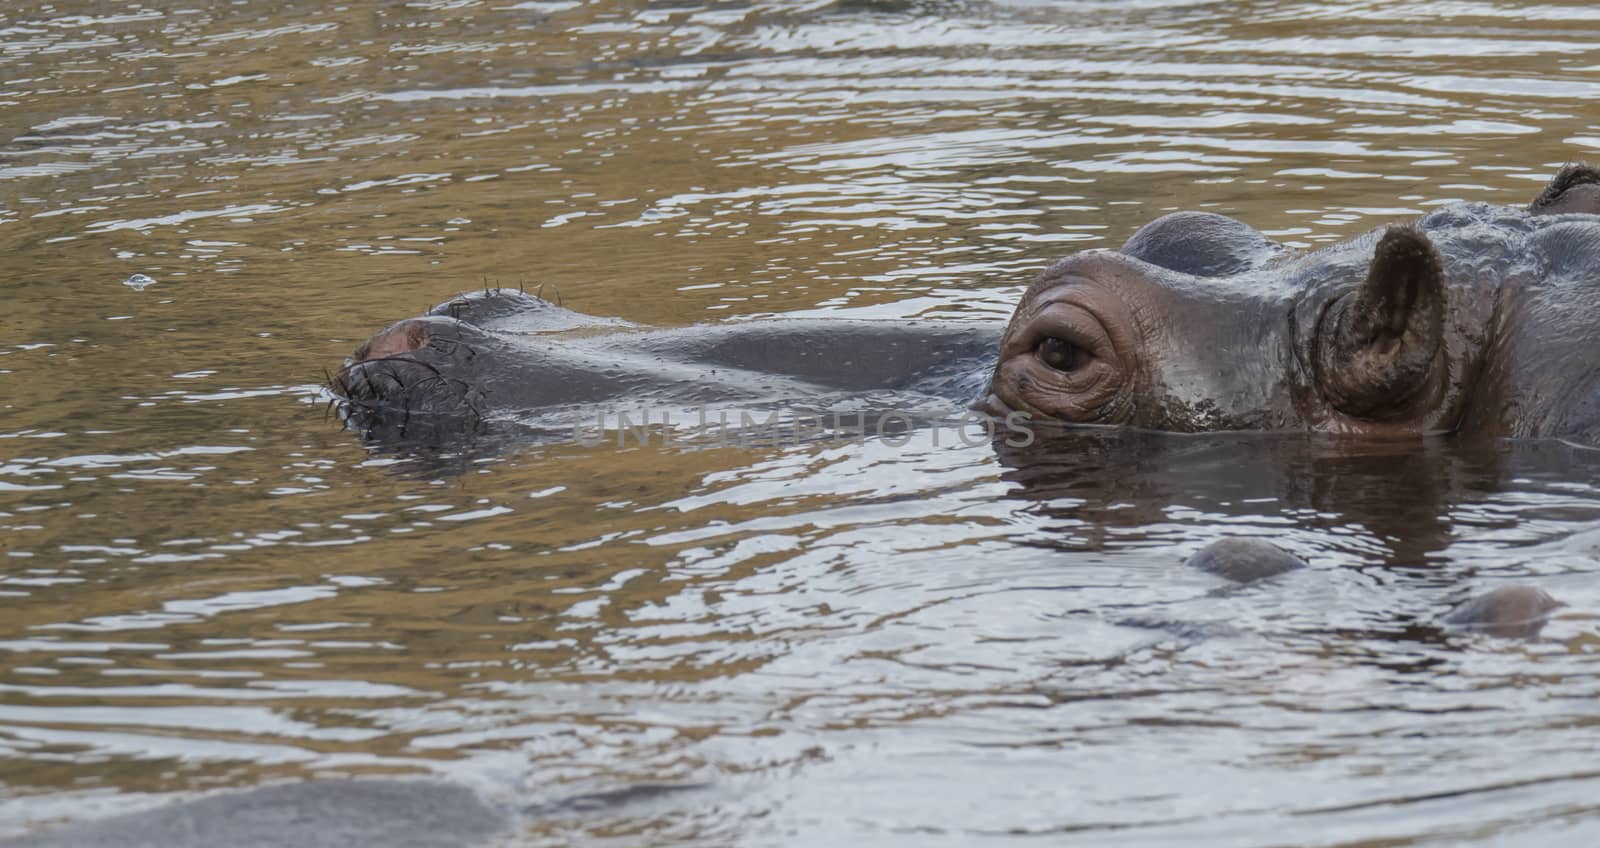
column 1474, row 319
column 1244, row 560
column 1511, row 612
column 504, row 358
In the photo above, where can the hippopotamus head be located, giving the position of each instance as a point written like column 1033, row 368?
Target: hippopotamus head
column 505, row 362
column 427, row 379
column 1475, row 317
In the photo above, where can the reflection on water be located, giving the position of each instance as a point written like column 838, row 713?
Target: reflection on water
column 207, row 585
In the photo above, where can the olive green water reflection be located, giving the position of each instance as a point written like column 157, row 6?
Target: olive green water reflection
column 206, row 584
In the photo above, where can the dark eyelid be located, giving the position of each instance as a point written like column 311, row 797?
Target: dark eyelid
column 1075, row 324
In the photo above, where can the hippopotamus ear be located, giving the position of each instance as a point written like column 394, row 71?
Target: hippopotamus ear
column 1575, row 189
column 1376, row 345
column 1200, row 243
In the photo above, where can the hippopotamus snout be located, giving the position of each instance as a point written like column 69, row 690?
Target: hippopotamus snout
column 417, row 373
column 451, row 332
column 473, row 357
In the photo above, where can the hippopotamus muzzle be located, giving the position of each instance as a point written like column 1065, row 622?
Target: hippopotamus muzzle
column 419, row 379
column 502, row 357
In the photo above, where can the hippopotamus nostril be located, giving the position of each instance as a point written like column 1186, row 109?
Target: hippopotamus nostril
column 404, row 337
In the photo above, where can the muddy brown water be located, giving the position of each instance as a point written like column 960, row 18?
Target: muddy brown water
column 205, row 584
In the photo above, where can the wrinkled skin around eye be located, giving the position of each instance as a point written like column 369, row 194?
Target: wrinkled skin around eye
column 1065, row 357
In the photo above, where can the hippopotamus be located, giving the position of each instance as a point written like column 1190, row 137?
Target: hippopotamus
column 1474, row 319
column 505, row 359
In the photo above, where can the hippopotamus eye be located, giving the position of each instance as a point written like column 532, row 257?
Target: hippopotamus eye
column 1061, row 354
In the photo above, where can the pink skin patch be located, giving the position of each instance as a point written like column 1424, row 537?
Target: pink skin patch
column 403, row 337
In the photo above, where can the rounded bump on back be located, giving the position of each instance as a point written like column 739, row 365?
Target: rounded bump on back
column 1244, row 560
column 1513, row 612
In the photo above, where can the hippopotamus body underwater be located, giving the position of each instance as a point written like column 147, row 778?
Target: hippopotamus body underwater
column 1476, row 320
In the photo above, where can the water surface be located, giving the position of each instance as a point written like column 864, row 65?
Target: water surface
column 207, row 584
